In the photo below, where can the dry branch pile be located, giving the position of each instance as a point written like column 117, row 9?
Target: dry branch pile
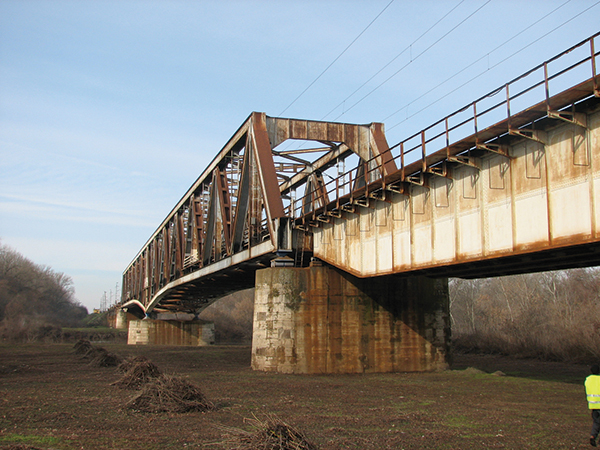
column 128, row 363
column 169, row 393
column 105, row 359
column 139, row 371
column 82, row 346
column 270, row 434
column 93, row 351
column 100, row 357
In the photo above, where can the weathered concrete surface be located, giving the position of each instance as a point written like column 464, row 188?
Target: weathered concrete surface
column 120, row 320
column 321, row 320
column 171, row 332
column 545, row 195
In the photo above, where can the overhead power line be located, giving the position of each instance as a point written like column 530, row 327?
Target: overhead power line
column 414, row 59
column 476, row 61
column 394, row 58
column 338, row 57
column 497, row 64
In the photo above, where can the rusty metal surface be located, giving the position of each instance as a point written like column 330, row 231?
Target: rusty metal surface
column 236, row 217
column 373, row 208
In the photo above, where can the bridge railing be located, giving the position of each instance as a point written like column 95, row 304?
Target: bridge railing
column 540, row 92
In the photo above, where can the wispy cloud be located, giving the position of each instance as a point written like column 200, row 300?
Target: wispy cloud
column 29, row 207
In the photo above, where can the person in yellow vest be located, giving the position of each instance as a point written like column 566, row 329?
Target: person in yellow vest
column 592, row 391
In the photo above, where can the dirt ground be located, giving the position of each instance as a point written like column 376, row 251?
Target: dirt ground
column 50, row 398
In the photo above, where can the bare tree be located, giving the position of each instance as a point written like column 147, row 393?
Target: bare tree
column 553, row 315
column 33, row 296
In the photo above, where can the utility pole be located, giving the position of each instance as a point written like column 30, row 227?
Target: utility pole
column 103, row 303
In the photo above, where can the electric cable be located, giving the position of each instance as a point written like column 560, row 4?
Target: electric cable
column 338, row 57
column 394, row 59
column 412, row 60
column 497, row 64
column 476, row 61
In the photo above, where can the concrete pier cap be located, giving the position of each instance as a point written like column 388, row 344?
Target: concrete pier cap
column 322, row 320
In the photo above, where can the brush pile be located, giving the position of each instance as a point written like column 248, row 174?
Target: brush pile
column 169, row 393
column 100, row 357
column 107, row 359
column 269, row 434
column 82, row 346
column 139, row 371
column 128, row 363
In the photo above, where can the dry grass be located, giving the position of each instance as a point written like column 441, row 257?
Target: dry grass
column 51, row 399
column 269, row 434
column 169, row 393
column 20, row 447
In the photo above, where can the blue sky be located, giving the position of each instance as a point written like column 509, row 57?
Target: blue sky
column 109, row 110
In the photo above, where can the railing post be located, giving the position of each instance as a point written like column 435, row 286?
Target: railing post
column 402, row 160
column 423, row 153
column 508, row 104
column 475, row 118
column 447, row 138
column 596, row 88
column 547, row 87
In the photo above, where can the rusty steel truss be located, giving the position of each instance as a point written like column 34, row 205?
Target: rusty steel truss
column 237, row 215
column 278, row 178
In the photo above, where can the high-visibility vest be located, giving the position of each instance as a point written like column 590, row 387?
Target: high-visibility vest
column 592, row 390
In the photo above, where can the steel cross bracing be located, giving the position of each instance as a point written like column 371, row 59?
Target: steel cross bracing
column 237, row 215
column 278, row 178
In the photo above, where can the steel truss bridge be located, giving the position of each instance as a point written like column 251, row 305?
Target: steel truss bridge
column 278, row 183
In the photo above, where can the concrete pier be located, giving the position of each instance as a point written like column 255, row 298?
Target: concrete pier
column 171, row 332
column 120, row 320
column 322, row 320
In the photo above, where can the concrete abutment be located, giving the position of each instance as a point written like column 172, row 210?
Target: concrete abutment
column 323, row 320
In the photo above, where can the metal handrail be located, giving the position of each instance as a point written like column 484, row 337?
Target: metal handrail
column 375, row 163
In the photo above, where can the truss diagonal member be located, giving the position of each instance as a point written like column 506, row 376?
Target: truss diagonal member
column 291, row 157
column 267, row 174
column 166, row 250
column 225, row 205
column 305, row 150
column 243, row 199
column 181, row 243
column 381, row 149
column 211, row 224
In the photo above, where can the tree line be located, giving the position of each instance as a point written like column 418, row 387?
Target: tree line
column 34, row 299
column 550, row 315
